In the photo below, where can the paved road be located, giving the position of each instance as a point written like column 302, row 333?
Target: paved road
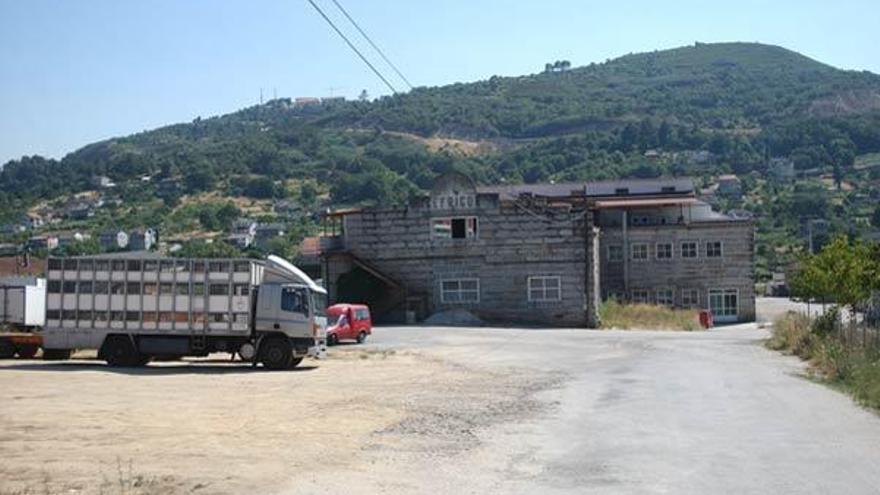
column 656, row 412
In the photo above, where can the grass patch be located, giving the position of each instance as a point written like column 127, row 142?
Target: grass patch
column 613, row 314
column 853, row 369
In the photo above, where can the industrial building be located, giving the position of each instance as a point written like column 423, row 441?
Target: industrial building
column 543, row 254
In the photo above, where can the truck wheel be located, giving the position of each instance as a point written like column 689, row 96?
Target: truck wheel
column 28, row 351
column 7, row 349
column 56, row 354
column 276, row 353
column 119, row 351
column 362, row 337
column 332, row 339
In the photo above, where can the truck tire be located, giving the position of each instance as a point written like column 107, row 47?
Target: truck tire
column 276, row 353
column 7, row 349
column 56, row 354
column 119, row 351
column 28, row 351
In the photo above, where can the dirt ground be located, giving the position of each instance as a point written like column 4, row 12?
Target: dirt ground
column 216, row 427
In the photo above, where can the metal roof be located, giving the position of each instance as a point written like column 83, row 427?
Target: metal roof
column 563, row 190
column 646, row 202
column 636, row 187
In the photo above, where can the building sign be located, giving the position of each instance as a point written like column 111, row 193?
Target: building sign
column 453, row 192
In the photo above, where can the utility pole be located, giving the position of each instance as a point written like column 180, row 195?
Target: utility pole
column 261, row 96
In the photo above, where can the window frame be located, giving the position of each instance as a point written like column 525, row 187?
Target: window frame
column 720, row 249
column 444, row 299
column 611, row 259
column 696, row 250
column 632, row 251
column 671, row 247
column 667, row 301
column 543, row 289
column 637, row 300
column 695, row 303
column 466, row 218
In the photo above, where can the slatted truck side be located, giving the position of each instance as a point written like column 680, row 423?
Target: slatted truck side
column 134, row 309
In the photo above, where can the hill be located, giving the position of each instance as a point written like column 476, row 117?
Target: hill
column 701, row 110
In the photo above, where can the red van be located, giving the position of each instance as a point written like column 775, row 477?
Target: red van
column 348, row 322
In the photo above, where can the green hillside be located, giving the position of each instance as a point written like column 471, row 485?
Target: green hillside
column 700, row 110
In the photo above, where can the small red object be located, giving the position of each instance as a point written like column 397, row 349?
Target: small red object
column 706, row 318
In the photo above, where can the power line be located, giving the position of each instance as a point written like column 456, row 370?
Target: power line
column 350, row 45
column 370, row 41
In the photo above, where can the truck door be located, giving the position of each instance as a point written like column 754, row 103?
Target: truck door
column 293, row 313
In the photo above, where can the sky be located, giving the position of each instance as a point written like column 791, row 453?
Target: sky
column 76, row 72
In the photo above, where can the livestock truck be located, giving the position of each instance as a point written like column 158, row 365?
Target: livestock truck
column 22, row 312
column 134, row 309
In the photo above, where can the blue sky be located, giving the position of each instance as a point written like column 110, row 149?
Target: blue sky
column 74, row 72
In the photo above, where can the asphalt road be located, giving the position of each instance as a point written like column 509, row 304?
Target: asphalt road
column 654, row 412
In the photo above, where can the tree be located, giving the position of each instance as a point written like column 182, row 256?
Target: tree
column 364, row 96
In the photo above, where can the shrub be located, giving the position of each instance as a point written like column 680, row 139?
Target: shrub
column 791, row 333
column 864, row 381
column 646, row 316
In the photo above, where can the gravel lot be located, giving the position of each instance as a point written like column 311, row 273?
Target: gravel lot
column 440, row 410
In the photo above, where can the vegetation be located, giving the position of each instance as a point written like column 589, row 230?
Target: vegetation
column 614, row 315
column 701, row 110
column 855, row 369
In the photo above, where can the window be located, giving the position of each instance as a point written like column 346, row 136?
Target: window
column 198, row 289
column 151, row 265
column 117, row 288
column 219, row 289
column 68, row 314
column 134, row 288
column 69, row 264
column 166, row 265
column 134, row 265
column 117, row 316
column 664, row 250
column 689, row 249
column 454, row 228
column 459, row 291
column 200, row 318
column 132, row 316
column 86, row 265
column 100, row 316
column 615, row 253
column 665, row 297
column 240, row 318
column 219, row 317
column 166, row 316
column 639, row 296
column 54, row 264
column 293, row 300
column 118, row 265
column 54, row 287
column 198, row 266
column 240, row 290
column 182, row 289
column 85, row 288
column 182, row 265
column 545, row 289
column 242, row 266
column 101, row 288
column 713, row 249
column 690, row 298
column 102, row 265
column 69, row 287
column 151, row 289
column 361, row 314
column 85, row 315
column 53, row 314
column 639, row 251
column 218, row 266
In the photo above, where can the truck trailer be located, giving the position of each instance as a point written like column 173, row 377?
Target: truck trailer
column 132, row 309
column 22, row 313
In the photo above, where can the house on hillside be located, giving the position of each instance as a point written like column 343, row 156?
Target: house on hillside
column 268, row 231
column 102, row 182
column 143, row 239
column 544, row 254
column 113, row 240
column 729, row 186
column 781, row 170
column 47, row 242
column 243, row 233
column 66, row 238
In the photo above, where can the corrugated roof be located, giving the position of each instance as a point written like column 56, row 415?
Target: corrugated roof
column 635, row 187
column 563, row 190
column 637, row 202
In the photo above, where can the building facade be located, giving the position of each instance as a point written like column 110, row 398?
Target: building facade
column 541, row 254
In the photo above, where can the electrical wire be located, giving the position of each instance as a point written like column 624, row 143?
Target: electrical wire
column 370, row 41
column 354, row 48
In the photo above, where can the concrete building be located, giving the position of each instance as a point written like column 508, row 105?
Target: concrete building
column 541, row 254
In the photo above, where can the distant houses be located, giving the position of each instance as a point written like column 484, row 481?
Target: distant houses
column 730, row 186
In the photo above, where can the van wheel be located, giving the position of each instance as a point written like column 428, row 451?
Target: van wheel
column 332, row 339
column 362, row 337
column 7, row 349
column 56, row 354
column 28, row 351
column 119, row 351
column 276, row 353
